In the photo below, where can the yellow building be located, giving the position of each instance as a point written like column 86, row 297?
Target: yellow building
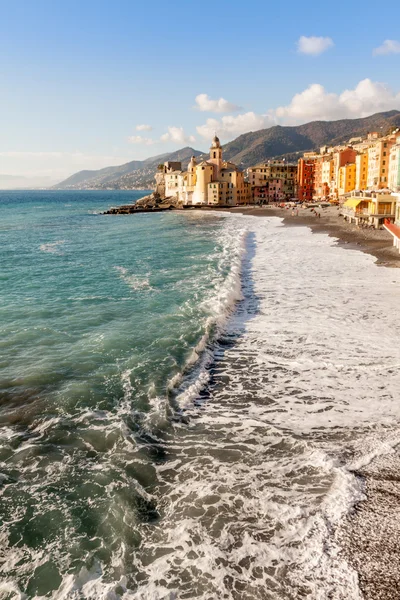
column 212, row 181
column 361, row 171
column 347, row 179
column 371, row 208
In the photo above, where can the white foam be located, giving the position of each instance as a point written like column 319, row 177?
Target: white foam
column 135, row 282
column 219, row 305
column 52, row 247
column 319, row 333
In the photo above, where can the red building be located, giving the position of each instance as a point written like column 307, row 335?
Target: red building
column 305, row 179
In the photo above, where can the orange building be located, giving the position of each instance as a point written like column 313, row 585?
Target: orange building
column 305, row 179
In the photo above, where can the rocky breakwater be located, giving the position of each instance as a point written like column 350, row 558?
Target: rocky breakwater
column 151, row 203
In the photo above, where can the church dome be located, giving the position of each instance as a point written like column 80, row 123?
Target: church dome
column 216, row 143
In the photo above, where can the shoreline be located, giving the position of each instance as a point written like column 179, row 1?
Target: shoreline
column 377, row 242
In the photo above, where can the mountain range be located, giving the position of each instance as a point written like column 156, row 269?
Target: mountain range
column 246, row 150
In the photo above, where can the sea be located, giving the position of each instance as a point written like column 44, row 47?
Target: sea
column 185, row 399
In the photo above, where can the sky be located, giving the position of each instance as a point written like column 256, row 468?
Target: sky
column 88, row 84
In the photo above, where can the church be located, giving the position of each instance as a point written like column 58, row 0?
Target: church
column 210, row 182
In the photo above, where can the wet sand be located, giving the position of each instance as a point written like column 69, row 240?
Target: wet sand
column 377, row 242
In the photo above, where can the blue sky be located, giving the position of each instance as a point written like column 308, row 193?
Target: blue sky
column 78, row 78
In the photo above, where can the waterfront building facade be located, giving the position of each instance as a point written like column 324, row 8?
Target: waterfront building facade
column 277, row 176
column 361, row 171
column 394, row 228
column 378, row 163
column 305, row 179
column 347, row 178
column 394, row 166
column 210, row 182
column 374, row 208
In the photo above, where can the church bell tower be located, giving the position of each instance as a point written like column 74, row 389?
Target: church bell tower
column 216, row 156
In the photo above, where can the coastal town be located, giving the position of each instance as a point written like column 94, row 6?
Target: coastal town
column 360, row 177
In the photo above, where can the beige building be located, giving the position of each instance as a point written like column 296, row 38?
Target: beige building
column 211, row 182
column 378, row 163
column 394, row 166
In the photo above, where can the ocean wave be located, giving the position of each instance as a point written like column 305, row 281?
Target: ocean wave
column 187, row 384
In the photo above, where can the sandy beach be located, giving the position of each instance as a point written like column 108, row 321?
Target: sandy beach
column 377, row 242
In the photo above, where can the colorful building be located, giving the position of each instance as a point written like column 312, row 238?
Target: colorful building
column 378, row 163
column 361, row 171
column 394, row 228
column 323, row 175
column 347, row 179
column 369, row 207
column 305, row 179
column 267, row 174
column 343, row 155
column 394, row 166
column 271, row 191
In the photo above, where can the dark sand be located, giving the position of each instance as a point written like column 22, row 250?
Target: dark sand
column 370, row 536
column 377, row 242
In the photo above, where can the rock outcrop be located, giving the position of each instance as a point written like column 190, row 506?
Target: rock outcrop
column 153, row 202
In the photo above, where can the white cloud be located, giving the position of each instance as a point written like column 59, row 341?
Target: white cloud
column 312, row 104
column 139, row 139
column 314, row 45
column 388, row 47
column 144, row 128
column 229, row 127
column 315, row 103
column 205, row 104
column 177, row 135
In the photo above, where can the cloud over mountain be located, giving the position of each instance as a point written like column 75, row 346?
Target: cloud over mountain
column 312, row 104
column 230, row 126
column 316, row 103
column 177, row 135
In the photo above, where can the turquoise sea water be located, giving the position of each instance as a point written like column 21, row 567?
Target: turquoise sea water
column 100, row 320
column 183, row 400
